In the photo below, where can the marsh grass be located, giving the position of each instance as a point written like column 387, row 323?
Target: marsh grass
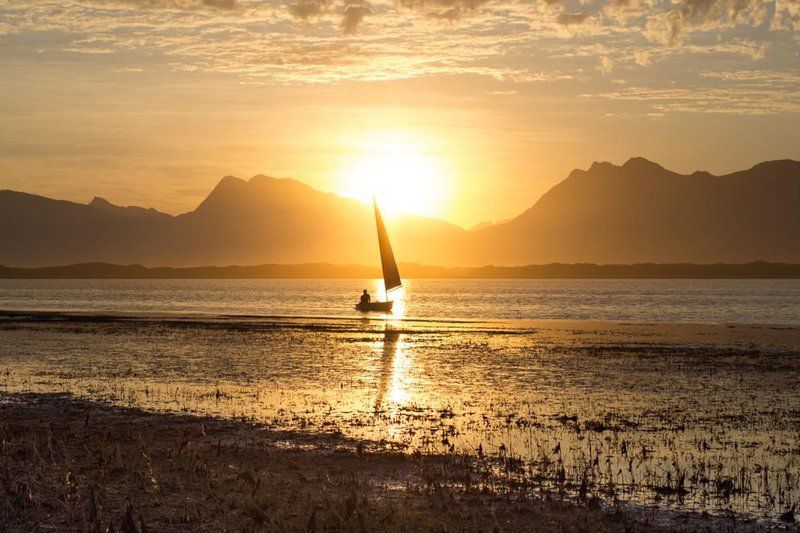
column 121, row 469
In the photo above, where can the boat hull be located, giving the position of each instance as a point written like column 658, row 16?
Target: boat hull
column 375, row 307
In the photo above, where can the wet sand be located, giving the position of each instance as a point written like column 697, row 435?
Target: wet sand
column 76, row 465
column 274, row 423
column 757, row 337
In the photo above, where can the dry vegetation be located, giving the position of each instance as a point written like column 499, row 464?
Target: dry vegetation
column 69, row 464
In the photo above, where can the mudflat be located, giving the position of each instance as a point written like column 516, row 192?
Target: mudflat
column 623, row 424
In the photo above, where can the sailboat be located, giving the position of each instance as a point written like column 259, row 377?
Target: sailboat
column 391, row 276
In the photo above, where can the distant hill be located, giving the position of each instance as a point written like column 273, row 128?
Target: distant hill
column 641, row 212
column 131, row 211
column 635, row 213
column 240, row 222
column 757, row 270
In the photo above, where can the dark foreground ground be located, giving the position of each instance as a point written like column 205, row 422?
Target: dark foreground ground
column 73, row 465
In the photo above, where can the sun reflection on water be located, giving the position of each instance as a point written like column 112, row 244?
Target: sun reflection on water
column 393, row 383
column 398, row 392
column 398, row 296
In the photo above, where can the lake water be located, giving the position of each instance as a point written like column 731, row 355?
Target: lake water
column 703, row 301
column 692, row 416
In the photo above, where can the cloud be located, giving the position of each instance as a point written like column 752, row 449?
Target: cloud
column 507, row 40
column 742, row 47
column 787, row 15
column 665, row 28
column 568, row 19
column 624, row 10
column 764, row 79
column 88, row 50
column 308, row 9
column 642, row 58
column 449, row 15
column 353, row 16
column 670, row 27
column 606, row 65
column 352, row 13
column 447, row 10
column 461, row 4
column 173, row 5
column 750, row 93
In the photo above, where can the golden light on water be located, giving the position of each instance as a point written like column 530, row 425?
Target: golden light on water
column 399, row 307
column 400, row 170
column 397, row 296
column 398, row 391
column 395, row 376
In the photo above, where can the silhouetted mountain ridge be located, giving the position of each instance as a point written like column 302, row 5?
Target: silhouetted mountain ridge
column 133, row 211
column 241, row 221
column 638, row 212
column 642, row 212
column 257, row 192
column 755, row 270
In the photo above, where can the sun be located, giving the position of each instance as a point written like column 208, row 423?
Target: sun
column 399, row 172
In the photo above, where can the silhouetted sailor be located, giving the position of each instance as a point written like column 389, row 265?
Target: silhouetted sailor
column 365, row 298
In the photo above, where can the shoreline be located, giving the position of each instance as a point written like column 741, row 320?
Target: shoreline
column 775, row 338
column 528, row 323
column 753, row 270
column 519, row 302
column 76, row 464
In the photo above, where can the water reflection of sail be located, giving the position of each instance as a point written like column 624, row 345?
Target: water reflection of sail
column 391, row 349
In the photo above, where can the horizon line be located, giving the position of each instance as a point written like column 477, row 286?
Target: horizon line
column 329, row 271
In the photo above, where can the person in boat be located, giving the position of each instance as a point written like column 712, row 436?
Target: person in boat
column 365, row 297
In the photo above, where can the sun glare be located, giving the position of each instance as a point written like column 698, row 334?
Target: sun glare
column 399, row 172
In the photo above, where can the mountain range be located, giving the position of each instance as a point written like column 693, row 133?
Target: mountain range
column 634, row 213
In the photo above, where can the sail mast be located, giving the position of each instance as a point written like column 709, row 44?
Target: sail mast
column 391, row 275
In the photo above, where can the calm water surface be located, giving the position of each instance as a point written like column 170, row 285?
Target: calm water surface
column 705, row 301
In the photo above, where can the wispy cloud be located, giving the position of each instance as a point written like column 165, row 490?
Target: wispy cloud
column 671, row 26
column 173, row 5
column 568, row 19
column 321, row 41
column 761, row 98
column 352, row 17
column 787, row 15
column 606, row 65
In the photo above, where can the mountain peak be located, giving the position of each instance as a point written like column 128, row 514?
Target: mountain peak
column 601, row 166
column 229, row 186
column 259, row 192
column 129, row 211
column 97, row 201
column 261, row 178
column 702, row 174
column 285, row 183
column 228, row 181
column 778, row 166
column 641, row 164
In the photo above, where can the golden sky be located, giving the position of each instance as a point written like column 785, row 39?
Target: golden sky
column 476, row 107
